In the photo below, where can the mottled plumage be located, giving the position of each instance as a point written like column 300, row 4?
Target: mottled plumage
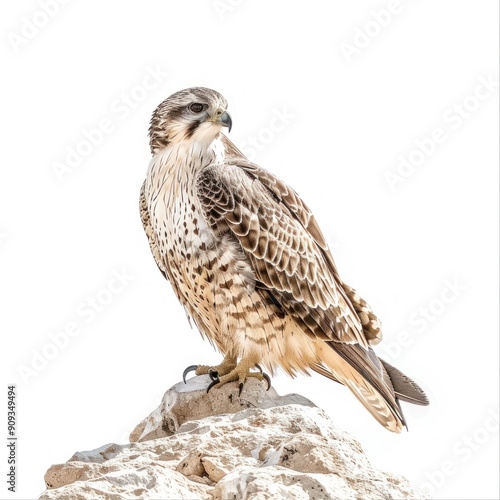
column 249, row 263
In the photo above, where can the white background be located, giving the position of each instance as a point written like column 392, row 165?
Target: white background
column 62, row 238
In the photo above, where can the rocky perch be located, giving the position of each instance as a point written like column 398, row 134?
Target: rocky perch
column 224, row 446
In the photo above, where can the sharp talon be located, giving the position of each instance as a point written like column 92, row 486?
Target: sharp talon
column 214, row 382
column 214, row 375
column 259, row 368
column 268, row 380
column 187, row 370
column 240, row 389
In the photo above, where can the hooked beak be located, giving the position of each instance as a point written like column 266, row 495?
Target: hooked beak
column 226, row 121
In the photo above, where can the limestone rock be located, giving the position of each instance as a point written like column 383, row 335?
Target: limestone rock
column 223, row 446
column 190, row 401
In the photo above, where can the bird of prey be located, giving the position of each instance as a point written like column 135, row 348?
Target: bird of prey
column 247, row 260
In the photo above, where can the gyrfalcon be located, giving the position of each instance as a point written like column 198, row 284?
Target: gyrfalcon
column 248, row 261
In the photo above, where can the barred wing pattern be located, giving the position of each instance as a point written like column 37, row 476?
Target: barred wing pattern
column 358, row 307
column 291, row 261
column 285, row 246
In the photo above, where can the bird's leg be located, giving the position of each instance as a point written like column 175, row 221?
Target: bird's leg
column 228, row 364
column 240, row 373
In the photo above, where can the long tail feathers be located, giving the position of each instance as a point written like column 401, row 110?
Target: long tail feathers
column 375, row 383
column 404, row 387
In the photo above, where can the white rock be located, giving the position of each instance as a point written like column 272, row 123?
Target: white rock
column 222, row 446
column 190, row 401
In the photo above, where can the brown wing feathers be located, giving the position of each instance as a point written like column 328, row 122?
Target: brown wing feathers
column 291, row 259
column 284, row 256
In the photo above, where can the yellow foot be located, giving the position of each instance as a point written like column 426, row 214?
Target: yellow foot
column 228, row 364
column 240, row 373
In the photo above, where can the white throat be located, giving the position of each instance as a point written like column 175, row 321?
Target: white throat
column 182, row 160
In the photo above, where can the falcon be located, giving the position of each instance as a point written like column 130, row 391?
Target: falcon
column 249, row 263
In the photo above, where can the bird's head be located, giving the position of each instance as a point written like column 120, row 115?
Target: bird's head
column 195, row 114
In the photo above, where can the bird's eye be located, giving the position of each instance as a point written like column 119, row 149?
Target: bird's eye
column 197, row 107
